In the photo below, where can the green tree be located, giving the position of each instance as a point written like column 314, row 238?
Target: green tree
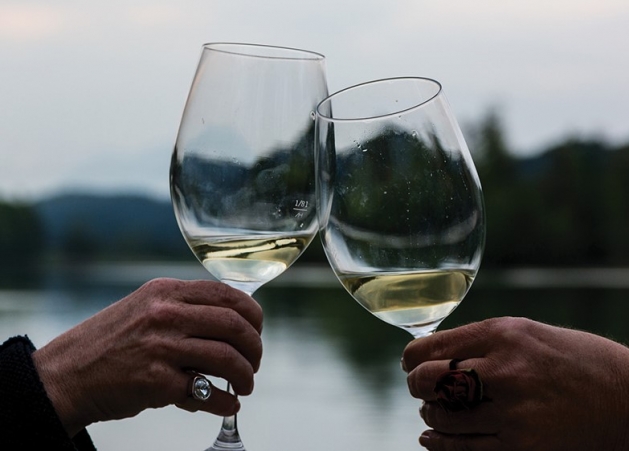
column 21, row 238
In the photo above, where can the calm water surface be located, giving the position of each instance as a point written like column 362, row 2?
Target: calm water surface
column 330, row 376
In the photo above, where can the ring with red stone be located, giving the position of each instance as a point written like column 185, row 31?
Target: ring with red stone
column 458, row 389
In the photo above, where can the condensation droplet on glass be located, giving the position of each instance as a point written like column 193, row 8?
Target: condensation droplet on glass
column 414, row 134
column 365, row 149
column 312, row 115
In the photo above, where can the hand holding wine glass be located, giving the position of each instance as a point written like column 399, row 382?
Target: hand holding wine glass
column 242, row 172
column 133, row 355
column 400, row 202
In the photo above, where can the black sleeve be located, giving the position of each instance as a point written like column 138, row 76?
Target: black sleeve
column 27, row 417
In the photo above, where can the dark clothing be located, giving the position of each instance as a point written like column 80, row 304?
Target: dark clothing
column 27, row 417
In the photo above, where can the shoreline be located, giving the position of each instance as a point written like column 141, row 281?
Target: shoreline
column 121, row 273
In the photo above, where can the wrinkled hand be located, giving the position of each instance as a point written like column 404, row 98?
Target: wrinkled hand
column 138, row 353
column 547, row 388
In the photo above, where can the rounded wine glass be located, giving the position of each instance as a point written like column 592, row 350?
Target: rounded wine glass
column 242, row 173
column 400, row 204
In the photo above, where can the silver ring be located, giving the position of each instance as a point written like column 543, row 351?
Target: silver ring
column 201, row 388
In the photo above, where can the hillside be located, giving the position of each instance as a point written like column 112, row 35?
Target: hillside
column 120, row 226
column 85, row 226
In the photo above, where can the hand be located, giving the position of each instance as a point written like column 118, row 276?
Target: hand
column 547, row 388
column 138, row 353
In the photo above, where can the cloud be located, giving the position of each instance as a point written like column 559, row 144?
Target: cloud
column 88, row 82
column 154, row 15
column 30, row 22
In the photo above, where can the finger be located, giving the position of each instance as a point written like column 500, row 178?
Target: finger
column 218, row 359
column 223, row 324
column 462, row 342
column 208, row 292
column 219, row 403
column 484, row 418
column 435, row 441
column 422, row 380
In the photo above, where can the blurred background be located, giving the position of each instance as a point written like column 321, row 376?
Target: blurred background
column 90, row 99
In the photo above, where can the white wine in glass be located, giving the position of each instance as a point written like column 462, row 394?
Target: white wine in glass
column 400, row 204
column 242, row 173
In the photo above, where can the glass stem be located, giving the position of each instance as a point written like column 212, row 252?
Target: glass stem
column 228, row 437
column 230, row 423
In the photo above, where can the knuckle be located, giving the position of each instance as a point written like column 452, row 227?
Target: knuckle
column 221, row 291
column 155, row 372
column 250, row 310
column 161, row 313
column 257, row 350
column 258, row 314
column 155, row 378
column 510, row 323
column 415, row 353
column 234, row 323
column 257, row 317
column 226, row 355
column 429, row 415
column 412, row 381
column 240, row 373
column 161, row 285
column 507, row 328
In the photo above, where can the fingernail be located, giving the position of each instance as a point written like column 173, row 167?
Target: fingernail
column 426, row 439
column 421, row 410
column 403, row 365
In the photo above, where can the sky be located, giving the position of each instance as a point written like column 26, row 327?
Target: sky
column 91, row 93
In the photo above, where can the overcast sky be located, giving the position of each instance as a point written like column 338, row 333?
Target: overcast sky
column 91, row 92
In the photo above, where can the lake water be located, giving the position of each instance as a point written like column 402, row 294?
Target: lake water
column 330, row 375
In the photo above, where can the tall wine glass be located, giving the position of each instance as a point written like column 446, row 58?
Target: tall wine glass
column 242, row 173
column 400, row 204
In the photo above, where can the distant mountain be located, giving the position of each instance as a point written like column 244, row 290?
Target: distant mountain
column 87, row 226
column 564, row 207
column 117, row 225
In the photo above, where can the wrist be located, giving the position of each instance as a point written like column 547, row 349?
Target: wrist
column 61, row 395
column 618, row 400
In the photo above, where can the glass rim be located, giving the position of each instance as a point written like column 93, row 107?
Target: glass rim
column 329, row 98
column 231, row 48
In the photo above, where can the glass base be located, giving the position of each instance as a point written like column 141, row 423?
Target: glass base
column 228, row 438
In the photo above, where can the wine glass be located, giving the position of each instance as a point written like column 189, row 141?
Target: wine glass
column 242, row 173
column 400, row 204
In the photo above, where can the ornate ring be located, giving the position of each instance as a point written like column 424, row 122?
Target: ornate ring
column 201, row 388
column 458, row 389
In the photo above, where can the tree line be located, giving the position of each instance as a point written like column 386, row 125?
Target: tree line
column 568, row 206
column 565, row 206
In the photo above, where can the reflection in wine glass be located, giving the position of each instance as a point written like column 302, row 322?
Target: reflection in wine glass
column 242, row 172
column 400, row 204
